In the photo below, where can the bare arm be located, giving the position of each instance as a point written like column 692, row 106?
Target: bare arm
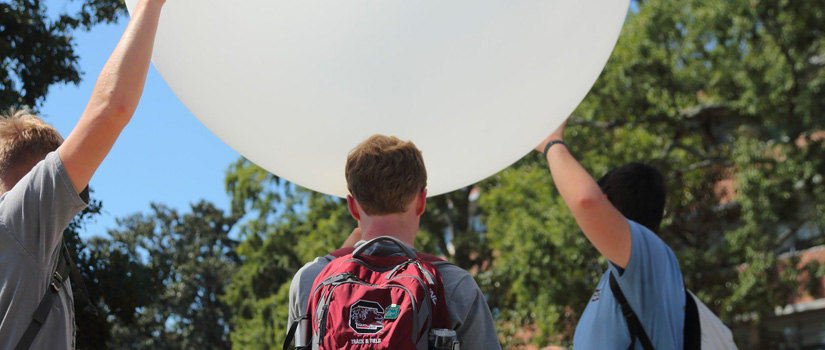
column 115, row 97
column 603, row 224
column 353, row 238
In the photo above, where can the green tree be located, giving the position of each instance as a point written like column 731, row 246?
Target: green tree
column 37, row 51
column 725, row 98
column 452, row 227
column 720, row 96
column 285, row 227
column 157, row 281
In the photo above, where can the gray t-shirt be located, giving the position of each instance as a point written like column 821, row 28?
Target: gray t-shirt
column 469, row 314
column 33, row 216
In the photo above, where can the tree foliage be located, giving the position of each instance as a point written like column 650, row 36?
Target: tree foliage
column 727, row 99
column 37, row 51
column 285, row 227
column 157, row 281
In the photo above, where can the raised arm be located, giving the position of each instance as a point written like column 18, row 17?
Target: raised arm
column 603, row 224
column 115, row 97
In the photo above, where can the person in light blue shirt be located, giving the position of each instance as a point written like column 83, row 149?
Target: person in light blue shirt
column 620, row 215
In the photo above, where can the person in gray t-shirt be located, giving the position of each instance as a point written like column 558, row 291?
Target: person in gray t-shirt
column 387, row 184
column 43, row 183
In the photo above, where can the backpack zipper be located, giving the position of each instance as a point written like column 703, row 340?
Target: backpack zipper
column 399, row 267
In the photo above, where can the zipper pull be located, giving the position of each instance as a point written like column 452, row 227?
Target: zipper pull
column 430, row 278
column 398, row 267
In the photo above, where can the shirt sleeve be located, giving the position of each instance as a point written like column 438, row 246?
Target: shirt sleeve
column 295, row 309
column 301, row 286
column 40, row 206
column 470, row 315
column 652, row 273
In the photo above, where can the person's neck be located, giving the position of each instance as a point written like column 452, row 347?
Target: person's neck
column 395, row 225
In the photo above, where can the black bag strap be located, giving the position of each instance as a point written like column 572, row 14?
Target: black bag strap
column 82, row 300
column 65, row 269
column 693, row 327
column 290, row 335
column 634, row 326
column 61, row 273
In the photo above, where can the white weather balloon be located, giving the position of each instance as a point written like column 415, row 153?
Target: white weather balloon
column 294, row 85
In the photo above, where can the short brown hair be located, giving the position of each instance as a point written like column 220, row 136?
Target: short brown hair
column 24, row 137
column 384, row 174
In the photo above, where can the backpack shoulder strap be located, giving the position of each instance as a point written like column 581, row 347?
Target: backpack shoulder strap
column 82, row 298
column 60, row 274
column 432, row 259
column 634, row 326
column 340, row 252
column 290, row 335
column 65, row 270
column 441, row 315
column 693, row 327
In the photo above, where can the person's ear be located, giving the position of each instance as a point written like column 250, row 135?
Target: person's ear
column 421, row 202
column 352, row 205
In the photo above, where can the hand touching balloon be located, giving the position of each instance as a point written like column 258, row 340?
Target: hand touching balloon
column 557, row 134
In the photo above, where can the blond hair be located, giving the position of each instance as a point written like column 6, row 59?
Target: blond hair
column 24, row 137
column 384, row 174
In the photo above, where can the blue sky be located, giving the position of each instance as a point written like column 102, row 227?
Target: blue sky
column 164, row 155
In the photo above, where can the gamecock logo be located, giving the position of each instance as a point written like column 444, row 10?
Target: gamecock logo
column 366, row 317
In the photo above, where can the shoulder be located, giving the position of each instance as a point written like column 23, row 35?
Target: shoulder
column 653, row 282
column 303, row 279
column 311, row 269
column 47, row 180
column 460, row 288
column 454, row 276
column 650, row 260
column 648, row 247
column 41, row 204
column 301, row 285
column 50, row 166
column 469, row 314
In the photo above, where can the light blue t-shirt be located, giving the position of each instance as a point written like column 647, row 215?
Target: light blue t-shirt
column 654, row 288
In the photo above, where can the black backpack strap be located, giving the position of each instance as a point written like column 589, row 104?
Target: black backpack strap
column 634, row 326
column 693, row 329
column 290, row 335
column 61, row 273
column 66, row 269
column 82, row 299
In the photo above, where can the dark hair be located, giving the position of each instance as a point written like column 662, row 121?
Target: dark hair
column 638, row 191
column 384, row 174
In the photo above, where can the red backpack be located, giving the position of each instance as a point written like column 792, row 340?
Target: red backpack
column 378, row 302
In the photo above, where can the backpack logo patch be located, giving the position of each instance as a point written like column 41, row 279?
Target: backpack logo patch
column 366, row 317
